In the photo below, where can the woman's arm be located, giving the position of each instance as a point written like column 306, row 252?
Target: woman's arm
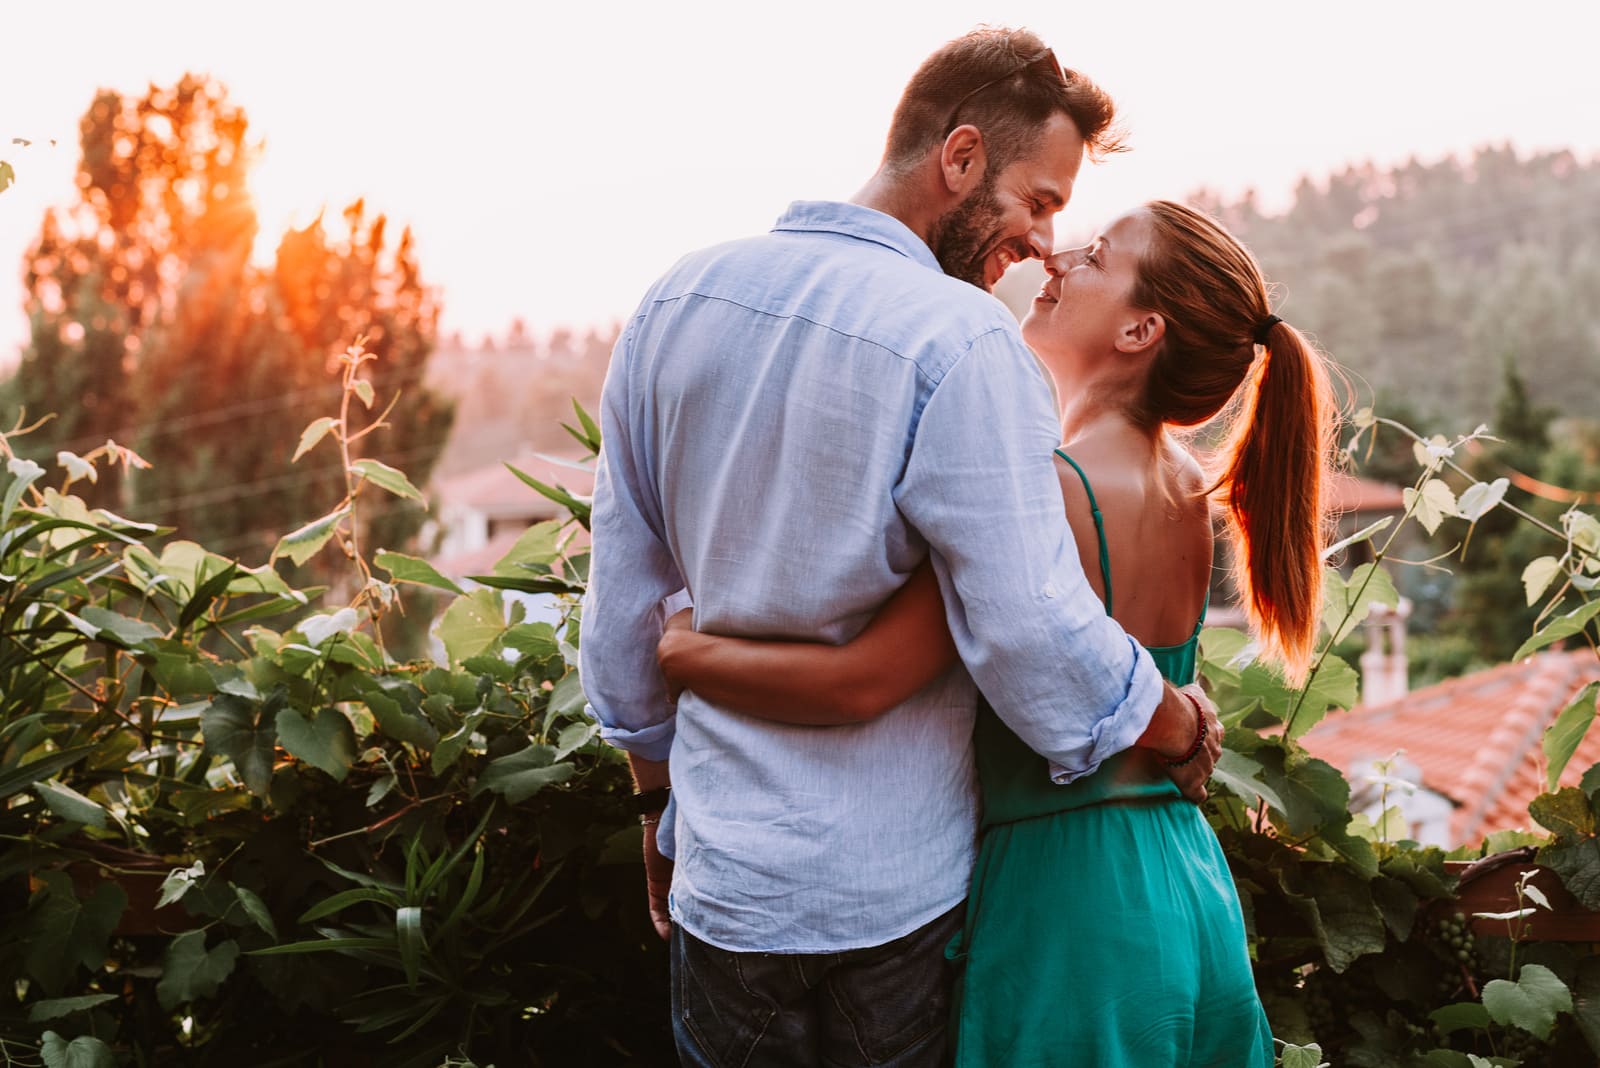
column 905, row 646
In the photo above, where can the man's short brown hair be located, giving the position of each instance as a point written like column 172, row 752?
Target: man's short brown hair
column 994, row 79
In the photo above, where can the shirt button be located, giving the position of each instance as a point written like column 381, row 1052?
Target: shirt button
column 1049, row 589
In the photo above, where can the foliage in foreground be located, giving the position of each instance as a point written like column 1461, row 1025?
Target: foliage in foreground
column 234, row 829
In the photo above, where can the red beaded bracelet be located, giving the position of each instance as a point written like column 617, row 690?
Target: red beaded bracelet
column 1199, row 738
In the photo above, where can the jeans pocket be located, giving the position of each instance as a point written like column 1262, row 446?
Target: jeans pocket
column 716, row 1013
column 895, row 999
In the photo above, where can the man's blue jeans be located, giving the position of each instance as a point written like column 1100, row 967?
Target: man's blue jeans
column 886, row 1006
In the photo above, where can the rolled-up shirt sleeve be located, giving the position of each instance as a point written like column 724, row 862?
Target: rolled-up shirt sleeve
column 980, row 486
column 631, row 574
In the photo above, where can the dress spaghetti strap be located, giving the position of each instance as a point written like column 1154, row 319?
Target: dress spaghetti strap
column 1099, row 528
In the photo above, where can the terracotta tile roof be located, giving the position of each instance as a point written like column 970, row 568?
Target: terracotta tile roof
column 1476, row 739
column 1348, row 493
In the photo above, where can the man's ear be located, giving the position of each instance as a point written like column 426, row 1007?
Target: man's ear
column 962, row 159
column 1141, row 333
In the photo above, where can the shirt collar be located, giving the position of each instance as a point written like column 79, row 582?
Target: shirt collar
column 853, row 220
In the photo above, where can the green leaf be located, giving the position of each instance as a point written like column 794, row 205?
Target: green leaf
column 23, row 474
column 64, row 932
column 326, row 741
column 1566, row 814
column 1366, row 533
column 363, row 389
column 56, row 1008
column 1531, row 1002
column 536, row 640
column 1431, row 504
column 1562, row 626
column 578, row 508
column 1309, row 1056
column 345, row 898
column 399, row 724
column 452, row 745
column 1458, row 1017
column 1562, row 737
column 403, row 568
column 408, row 929
column 538, row 545
column 301, row 545
column 85, row 1051
column 1536, row 578
column 385, row 477
column 1334, row 685
column 575, row 736
column 206, row 595
column 1480, row 498
column 1346, row 603
column 180, row 881
column 128, row 631
column 1586, row 1000
column 1348, row 923
column 1578, row 865
column 471, row 624
column 520, row 775
column 1242, row 775
column 246, row 733
column 190, row 971
column 256, row 909
column 313, row 434
column 69, row 804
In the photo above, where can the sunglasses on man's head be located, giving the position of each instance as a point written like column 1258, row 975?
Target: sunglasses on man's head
column 1045, row 63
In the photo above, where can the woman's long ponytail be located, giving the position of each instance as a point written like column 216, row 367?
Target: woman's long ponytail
column 1273, row 475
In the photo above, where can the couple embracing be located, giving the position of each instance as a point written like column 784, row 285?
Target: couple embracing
column 927, row 756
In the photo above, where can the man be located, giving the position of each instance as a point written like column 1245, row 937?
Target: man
column 791, row 423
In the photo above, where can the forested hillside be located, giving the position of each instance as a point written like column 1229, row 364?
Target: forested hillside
column 1424, row 279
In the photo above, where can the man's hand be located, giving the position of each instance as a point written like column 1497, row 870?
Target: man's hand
column 657, row 878
column 1172, row 732
column 679, row 630
column 1193, row 776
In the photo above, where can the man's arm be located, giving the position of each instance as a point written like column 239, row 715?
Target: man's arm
column 980, row 486
column 631, row 572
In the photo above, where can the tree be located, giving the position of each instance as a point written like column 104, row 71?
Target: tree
column 151, row 324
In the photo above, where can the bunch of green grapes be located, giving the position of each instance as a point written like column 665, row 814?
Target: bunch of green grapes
column 1459, row 948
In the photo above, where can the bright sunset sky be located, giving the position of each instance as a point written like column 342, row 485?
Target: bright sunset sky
column 553, row 159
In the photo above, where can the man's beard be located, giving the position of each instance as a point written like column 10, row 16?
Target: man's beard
column 962, row 236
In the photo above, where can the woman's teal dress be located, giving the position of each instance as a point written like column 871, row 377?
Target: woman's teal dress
column 1102, row 929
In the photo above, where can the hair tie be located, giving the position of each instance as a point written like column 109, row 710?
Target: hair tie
column 1265, row 329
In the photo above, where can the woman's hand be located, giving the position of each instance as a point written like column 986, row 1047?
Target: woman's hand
column 675, row 641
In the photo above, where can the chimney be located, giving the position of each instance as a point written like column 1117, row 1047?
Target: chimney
column 1384, row 664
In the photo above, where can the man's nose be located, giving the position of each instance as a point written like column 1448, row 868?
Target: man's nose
column 1041, row 239
column 1057, row 264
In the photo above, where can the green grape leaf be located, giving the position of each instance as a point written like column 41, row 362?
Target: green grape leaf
column 190, row 971
column 1460, row 1017
column 325, row 741
column 56, row 1008
column 246, row 733
column 64, row 932
column 1431, row 503
column 471, row 624
column 1531, row 1002
column 85, row 1051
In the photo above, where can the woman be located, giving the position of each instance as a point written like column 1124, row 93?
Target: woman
column 1102, row 926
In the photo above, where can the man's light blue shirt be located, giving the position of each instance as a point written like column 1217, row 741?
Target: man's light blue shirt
column 791, row 423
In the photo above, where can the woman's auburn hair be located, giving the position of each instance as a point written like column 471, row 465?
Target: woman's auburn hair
column 1272, row 468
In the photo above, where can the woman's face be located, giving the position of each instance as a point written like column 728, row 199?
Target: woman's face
column 1083, row 308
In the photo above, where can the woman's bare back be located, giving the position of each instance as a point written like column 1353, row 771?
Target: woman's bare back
column 1157, row 530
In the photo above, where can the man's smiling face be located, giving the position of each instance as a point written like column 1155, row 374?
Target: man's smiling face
column 1010, row 216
